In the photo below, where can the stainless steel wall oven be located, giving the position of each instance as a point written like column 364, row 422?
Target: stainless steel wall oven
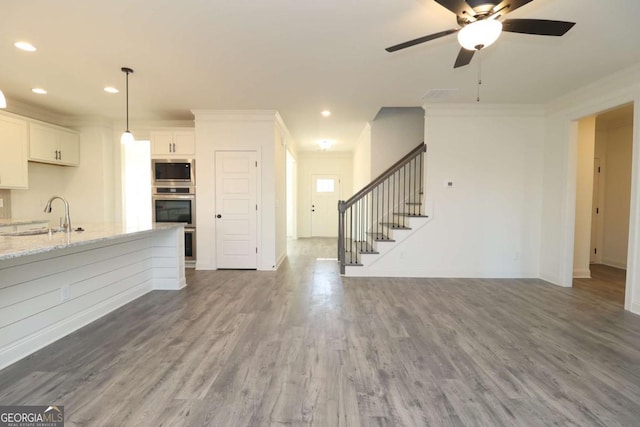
column 177, row 204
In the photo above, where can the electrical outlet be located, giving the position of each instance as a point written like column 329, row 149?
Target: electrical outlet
column 66, row 293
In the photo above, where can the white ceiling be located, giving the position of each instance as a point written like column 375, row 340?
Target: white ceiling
column 295, row 56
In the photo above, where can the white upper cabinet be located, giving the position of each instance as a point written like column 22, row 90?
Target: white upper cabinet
column 13, row 153
column 173, row 144
column 52, row 144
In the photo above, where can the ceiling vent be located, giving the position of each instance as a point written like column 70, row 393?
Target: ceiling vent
column 435, row 95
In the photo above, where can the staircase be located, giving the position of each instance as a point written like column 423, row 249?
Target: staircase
column 383, row 213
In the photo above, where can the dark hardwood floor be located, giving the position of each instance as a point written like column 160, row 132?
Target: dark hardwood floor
column 303, row 346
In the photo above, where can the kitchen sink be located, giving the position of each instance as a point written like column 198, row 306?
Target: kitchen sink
column 33, row 232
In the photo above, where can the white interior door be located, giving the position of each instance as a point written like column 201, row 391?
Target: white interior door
column 325, row 192
column 236, row 209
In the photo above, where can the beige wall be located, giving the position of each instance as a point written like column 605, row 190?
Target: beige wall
column 5, row 210
column 617, row 190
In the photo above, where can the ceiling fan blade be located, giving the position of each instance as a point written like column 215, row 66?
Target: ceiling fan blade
column 510, row 5
column 464, row 57
column 541, row 27
column 420, row 40
column 459, row 7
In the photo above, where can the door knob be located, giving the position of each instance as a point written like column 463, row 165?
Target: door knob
column 218, row 216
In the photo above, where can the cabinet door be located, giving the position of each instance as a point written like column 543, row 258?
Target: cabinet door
column 185, row 143
column 161, row 143
column 42, row 144
column 68, row 144
column 13, row 153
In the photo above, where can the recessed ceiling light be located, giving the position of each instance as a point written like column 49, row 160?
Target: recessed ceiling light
column 326, row 113
column 26, row 46
column 39, row 91
column 111, row 89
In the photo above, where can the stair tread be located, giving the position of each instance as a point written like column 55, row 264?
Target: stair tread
column 395, row 226
column 410, row 215
column 350, row 259
column 379, row 237
column 363, row 247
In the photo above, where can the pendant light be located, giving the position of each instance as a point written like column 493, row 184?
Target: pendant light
column 3, row 100
column 127, row 137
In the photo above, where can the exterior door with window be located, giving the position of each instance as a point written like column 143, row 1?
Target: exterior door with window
column 236, row 209
column 325, row 193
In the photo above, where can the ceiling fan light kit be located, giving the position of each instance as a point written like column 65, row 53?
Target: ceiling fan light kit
column 479, row 34
column 480, row 26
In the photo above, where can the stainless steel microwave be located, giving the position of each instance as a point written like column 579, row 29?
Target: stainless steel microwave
column 169, row 172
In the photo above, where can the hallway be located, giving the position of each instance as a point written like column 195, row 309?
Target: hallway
column 606, row 282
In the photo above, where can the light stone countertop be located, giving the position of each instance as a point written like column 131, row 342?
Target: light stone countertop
column 17, row 246
column 4, row 222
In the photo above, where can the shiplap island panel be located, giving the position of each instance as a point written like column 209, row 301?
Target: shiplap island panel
column 53, row 284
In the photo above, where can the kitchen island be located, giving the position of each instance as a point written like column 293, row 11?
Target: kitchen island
column 54, row 283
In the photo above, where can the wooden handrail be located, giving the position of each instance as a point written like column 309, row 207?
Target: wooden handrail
column 343, row 206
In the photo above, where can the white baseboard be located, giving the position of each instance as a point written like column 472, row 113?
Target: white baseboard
column 582, row 273
column 635, row 307
column 614, row 263
column 44, row 337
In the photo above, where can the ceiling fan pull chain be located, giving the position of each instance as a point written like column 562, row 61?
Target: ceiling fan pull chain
column 479, row 73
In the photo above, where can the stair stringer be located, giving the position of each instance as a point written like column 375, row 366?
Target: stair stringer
column 384, row 248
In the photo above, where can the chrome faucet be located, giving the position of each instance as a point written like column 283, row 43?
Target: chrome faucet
column 67, row 218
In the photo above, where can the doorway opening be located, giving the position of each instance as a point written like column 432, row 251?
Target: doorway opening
column 603, row 200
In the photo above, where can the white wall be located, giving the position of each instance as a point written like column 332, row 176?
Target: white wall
column 280, row 158
column 584, row 197
column 560, row 171
column 394, row 133
column 237, row 131
column 292, row 196
column 617, row 196
column 488, row 224
column 318, row 163
column 362, row 159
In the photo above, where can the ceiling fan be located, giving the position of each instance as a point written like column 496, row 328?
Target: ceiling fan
column 480, row 26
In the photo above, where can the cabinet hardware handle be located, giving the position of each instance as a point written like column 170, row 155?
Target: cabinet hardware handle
column 218, row 216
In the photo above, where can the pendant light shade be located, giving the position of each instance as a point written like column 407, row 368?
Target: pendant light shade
column 3, row 100
column 479, row 34
column 127, row 137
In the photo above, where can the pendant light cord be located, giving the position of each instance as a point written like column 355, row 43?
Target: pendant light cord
column 127, row 86
column 127, row 71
